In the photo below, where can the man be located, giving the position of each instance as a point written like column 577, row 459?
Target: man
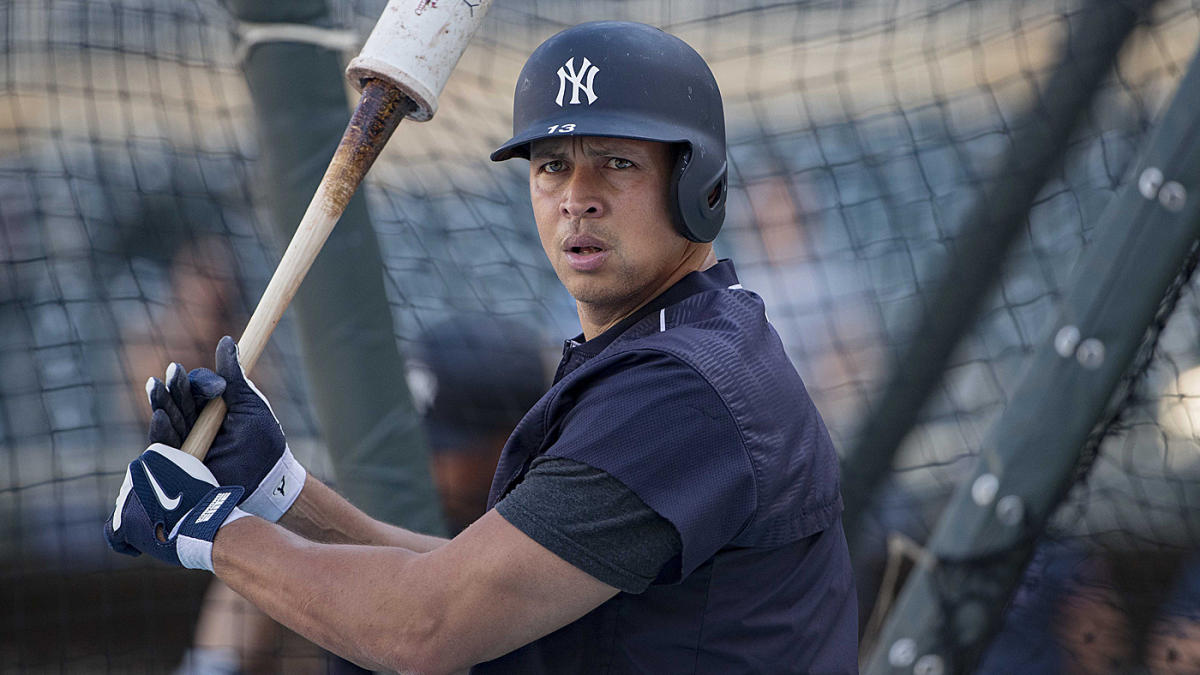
column 671, row 504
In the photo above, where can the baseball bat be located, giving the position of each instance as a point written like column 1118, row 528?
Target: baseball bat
column 401, row 72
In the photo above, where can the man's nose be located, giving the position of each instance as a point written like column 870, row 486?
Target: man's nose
column 582, row 197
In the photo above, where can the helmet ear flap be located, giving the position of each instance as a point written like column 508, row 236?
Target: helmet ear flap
column 698, row 206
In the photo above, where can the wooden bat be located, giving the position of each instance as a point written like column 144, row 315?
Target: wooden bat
column 401, row 71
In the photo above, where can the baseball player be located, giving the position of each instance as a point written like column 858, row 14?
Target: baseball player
column 671, row 504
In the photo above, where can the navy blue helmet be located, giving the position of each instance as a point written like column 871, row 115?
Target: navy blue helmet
column 629, row 80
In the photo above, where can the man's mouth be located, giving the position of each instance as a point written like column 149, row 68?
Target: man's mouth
column 585, row 254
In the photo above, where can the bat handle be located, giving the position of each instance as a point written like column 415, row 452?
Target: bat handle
column 379, row 111
column 204, row 431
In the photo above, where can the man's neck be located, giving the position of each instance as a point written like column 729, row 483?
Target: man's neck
column 594, row 320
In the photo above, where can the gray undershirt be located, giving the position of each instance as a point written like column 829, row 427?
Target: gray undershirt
column 593, row 521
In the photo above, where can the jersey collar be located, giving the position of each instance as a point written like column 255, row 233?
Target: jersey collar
column 718, row 277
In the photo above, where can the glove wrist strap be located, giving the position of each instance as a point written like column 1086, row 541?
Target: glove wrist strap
column 277, row 492
column 194, row 543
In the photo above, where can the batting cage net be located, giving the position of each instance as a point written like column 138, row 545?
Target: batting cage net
column 933, row 197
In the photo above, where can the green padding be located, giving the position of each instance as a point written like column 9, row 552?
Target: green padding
column 1145, row 242
column 996, row 219
column 378, row 449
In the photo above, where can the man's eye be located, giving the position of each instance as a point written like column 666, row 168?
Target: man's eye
column 620, row 163
column 553, row 166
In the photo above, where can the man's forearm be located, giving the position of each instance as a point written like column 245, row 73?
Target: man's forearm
column 322, row 515
column 486, row 592
column 304, row 586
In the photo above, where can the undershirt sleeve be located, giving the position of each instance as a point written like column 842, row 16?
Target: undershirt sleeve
column 593, row 521
column 652, row 421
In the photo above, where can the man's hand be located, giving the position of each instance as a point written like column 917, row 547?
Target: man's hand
column 249, row 451
column 171, row 507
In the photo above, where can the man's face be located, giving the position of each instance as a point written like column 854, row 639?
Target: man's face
column 601, row 211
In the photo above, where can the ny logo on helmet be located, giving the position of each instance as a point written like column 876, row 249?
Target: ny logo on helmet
column 567, row 73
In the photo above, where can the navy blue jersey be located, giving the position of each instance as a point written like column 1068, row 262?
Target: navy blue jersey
column 693, row 405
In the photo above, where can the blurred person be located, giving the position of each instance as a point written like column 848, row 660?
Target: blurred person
column 1173, row 638
column 1127, row 610
column 1080, row 612
column 1026, row 641
column 204, row 300
column 201, row 299
column 191, row 294
column 671, row 503
column 473, row 378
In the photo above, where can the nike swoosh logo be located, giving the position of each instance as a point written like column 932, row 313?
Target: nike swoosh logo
column 167, row 503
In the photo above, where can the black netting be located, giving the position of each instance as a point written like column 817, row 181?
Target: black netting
column 132, row 231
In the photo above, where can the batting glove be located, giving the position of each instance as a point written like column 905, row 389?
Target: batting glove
column 250, row 449
column 171, row 507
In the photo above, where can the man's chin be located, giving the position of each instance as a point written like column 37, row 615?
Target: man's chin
column 593, row 292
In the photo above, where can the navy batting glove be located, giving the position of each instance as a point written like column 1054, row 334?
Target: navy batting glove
column 250, row 449
column 171, row 507
column 177, row 400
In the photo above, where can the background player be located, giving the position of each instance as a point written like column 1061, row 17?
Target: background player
column 473, row 378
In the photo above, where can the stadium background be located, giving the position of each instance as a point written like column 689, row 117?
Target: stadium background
column 862, row 137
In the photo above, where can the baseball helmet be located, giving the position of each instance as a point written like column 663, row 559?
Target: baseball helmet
column 629, row 80
column 474, row 375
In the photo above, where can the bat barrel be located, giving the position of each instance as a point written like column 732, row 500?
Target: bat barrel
column 377, row 115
